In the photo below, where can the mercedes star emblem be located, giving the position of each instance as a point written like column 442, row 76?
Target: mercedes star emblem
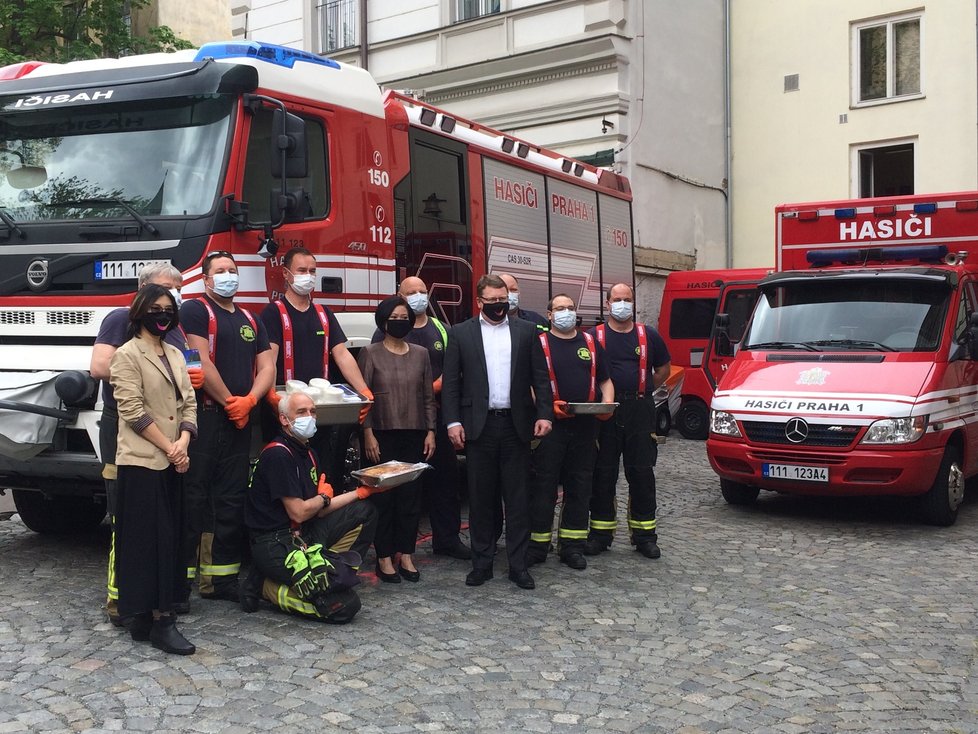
column 796, row 430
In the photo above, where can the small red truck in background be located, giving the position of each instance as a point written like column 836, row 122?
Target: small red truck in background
column 857, row 373
column 690, row 301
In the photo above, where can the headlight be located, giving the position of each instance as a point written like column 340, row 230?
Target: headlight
column 896, row 430
column 723, row 423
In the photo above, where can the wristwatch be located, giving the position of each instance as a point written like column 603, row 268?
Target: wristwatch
column 326, row 500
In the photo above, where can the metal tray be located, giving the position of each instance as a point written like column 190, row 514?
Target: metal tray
column 341, row 413
column 591, row 408
column 408, row 473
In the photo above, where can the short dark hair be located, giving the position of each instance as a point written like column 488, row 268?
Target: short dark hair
column 386, row 307
column 488, row 281
column 145, row 298
column 550, row 303
column 210, row 257
column 615, row 285
column 290, row 255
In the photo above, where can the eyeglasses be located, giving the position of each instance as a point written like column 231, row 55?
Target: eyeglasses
column 502, row 299
column 162, row 309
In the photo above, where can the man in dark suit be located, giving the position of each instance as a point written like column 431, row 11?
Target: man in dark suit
column 496, row 397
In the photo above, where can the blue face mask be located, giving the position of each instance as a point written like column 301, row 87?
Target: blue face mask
column 418, row 302
column 514, row 300
column 225, row 284
column 304, row 426
column 621, row 310
column 564, row 320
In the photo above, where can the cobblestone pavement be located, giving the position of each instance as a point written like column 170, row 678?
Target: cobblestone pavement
column 797, row 615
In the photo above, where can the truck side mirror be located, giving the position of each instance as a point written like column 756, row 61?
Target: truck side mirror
column 721, row 335
column 289, row 146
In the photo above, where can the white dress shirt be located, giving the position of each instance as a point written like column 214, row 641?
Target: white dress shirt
column 498, row 347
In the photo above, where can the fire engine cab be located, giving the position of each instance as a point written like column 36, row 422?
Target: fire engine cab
column 857, row 373
column 109, row 164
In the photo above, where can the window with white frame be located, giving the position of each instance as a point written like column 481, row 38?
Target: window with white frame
column 469, row 9
column 884, row 170
column 887, row 59
column 338, row 25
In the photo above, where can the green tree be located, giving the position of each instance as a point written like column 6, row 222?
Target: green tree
column 64, row 30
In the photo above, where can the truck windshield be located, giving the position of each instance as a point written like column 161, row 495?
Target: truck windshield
column 876, row 315
column 155, row 157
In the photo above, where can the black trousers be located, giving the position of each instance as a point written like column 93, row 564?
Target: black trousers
column 215, row 495
column 108, row 437
column 440, row 486
column 497, row 464
column 147, row 539
column 565, row 456
column 398, row 509
column 627, row 436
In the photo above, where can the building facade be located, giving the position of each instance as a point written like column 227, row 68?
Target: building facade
column 196, row 21
column 634, row 86
column 843, row 98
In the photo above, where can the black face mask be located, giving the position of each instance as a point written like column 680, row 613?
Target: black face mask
column 399, row 328
column 495, row 311
column 157, row 324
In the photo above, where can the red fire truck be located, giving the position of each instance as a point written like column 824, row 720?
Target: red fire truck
column 109, row 164
column 858, row 371
column 690, row 301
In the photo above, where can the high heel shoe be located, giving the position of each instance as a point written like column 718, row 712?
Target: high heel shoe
column 414, row 576
column 389, row 578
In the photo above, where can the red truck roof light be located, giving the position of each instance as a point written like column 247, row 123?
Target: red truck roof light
column 884, row 211
column 966, row 206
column 808, row 216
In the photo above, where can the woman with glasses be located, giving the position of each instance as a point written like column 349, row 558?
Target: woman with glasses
column 157, row 419
column 401, row 427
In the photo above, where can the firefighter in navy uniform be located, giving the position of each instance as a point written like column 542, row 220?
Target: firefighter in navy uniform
column 513, row 288
column 578, row 374
column 441, row 484
column 238, row 371
column 306, row 543
column 638, row 362
column 307, row 342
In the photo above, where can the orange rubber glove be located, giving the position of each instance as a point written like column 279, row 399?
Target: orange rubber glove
column 238, row 408
column 605, row 416
column 560, row 410
column 196, row 377
column 366, row 408
column 436, row 386
column 325, row 487
column 363, row 491
column 273, row 397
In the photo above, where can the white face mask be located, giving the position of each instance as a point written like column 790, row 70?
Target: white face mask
column 621, row 310
column 225, row 284
column 304, row 426
column 418, row 302
column 514, row 301
column 176, row 296
column 565, row 320
column 303, row 283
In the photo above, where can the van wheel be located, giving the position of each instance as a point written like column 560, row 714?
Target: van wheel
column 736, row 493
column 693, row 419
column 940, row 505
column 59, row 515
column 663, row 420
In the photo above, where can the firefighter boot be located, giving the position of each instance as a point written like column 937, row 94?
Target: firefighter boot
column 596, row 544
column 251, row 590
column 337, row 607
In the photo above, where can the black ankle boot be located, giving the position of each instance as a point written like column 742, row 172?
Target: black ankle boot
column 139, row 626
column 166, row 637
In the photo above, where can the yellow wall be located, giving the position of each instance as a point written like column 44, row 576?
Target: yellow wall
column 790, row 146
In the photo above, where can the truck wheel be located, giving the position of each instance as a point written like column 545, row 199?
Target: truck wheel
column 693, row 420
column 940, row 505
column 663, row 421
column 60, row 516
column 736, row 493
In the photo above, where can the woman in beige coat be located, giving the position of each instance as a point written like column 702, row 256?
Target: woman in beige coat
column 157, row 419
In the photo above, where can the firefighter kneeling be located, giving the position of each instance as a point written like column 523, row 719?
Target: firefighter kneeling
column 306, row 544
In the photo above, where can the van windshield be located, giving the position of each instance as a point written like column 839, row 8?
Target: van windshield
column 157, row 157
column 825, row 315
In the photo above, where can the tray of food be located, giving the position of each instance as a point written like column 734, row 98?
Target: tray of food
column 389, row 474
column 336, row 404
column 591, row 408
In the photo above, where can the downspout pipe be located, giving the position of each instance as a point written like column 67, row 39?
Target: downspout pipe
column 363, row 35
column 727, row 143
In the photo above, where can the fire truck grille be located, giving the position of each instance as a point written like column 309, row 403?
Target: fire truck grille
column 16, row 318
column 70, row 318
column 818, row 435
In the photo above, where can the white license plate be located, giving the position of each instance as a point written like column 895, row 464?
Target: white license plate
column 795, row 472
column 122, row 269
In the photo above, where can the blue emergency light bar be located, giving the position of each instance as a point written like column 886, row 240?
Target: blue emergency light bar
column 861, row 255
column 278, row 55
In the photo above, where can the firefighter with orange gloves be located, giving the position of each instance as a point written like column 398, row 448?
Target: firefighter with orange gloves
column 238, row 370
column 308, row 342
column 440, row 485
column 638, row 362
column 307, row 541
column 578, row 374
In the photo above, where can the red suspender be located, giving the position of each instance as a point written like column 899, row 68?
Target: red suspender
column 288, row 344
column 212, row 337
column 312, row 457
column 643, row 353
column 592, row 390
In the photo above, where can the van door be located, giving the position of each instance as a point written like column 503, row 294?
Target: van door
column 737, row 300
